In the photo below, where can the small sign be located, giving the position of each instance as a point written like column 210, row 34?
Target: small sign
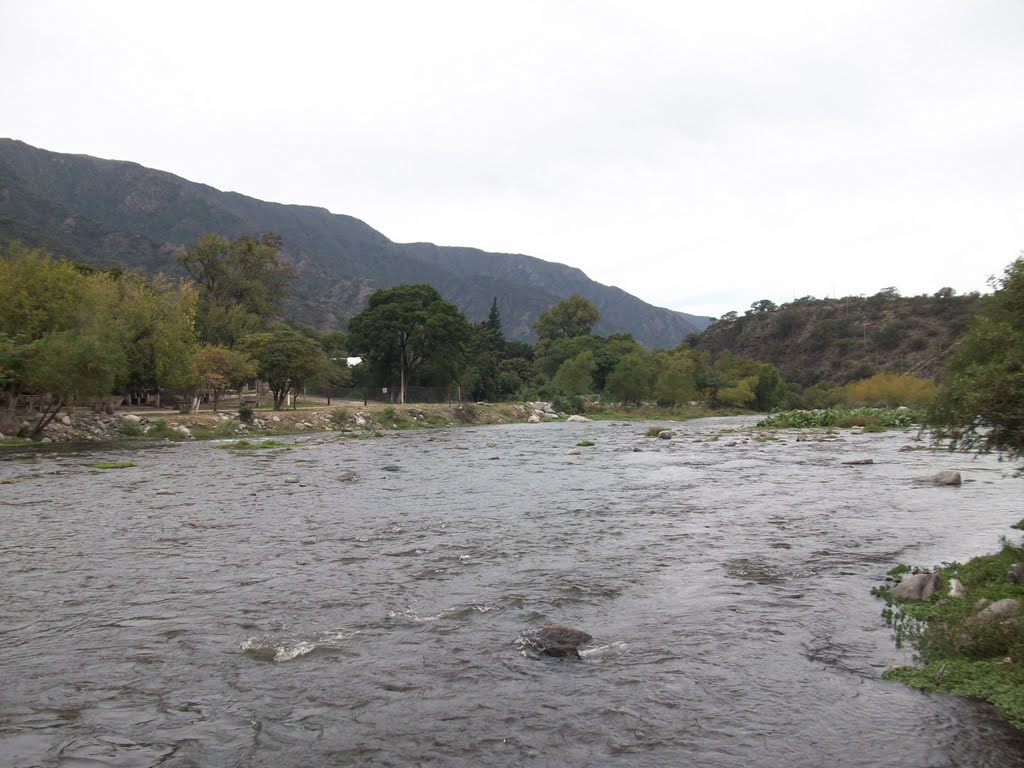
column 384, row 390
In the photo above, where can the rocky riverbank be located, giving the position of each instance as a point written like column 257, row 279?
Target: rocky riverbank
column 85, row 425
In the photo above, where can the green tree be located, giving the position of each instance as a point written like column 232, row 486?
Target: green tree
column 574, row 316
column 242, row 284
column 286, row 360
column 576, row 375
column 676, row 381
column 58, row 340
column 221, row 368
column 632, row 379
column 336, row 374
column 408, row 327
column 156, row 318
column 980, row 405
column 66, row 367
column 769, row 388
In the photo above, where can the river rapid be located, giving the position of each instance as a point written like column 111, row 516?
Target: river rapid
column 356, row 602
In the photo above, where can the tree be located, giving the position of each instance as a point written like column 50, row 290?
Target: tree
column 980, row 405
column 157, row 322
column 409, row 326
column 574, row 316
column 242, row 284
column 58, row 340
column 221, row 368
column 285, row 359
column 336, row 373
column 632, row 379
column 676, row 382
column 576, row 375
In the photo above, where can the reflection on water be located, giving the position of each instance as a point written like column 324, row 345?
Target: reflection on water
column 352, row 602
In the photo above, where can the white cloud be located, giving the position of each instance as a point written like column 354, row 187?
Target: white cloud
column 695, row 154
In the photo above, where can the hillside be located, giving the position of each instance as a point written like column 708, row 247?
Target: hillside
column 108, row 212
column 845, row 339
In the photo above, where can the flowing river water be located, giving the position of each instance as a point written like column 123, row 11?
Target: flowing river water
column 356, row 602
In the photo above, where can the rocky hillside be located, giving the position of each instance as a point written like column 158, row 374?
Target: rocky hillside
column 108, row 212
column 847, row 339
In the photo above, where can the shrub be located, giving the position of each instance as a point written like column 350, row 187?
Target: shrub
column 245, row 414
column 339, row 417
column 654, row 431
column 130, row 428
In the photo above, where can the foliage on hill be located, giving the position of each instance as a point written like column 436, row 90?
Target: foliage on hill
column 841, row 340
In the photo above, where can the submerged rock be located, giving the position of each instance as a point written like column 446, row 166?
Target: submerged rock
column 555, row 640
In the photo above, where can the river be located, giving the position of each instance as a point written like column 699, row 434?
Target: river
column 356, row 602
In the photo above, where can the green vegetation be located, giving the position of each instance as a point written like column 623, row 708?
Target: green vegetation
column 408, row 328
column 654, row 431
column 960, row 651
column 981, row 404
column 846, row 339
column 249, row 445
column 113, row 464
column 586, row 443
column 865, row 417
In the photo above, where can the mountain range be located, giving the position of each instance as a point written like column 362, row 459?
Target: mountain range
column 116, row 213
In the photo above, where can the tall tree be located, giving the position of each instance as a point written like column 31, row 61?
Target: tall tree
column 221, row 368
column 242, row 284
column 285, row 359
column 981, row 401
column 574, row 316
column 406, row 327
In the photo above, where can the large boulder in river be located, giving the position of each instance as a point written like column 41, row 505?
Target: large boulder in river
column 554, row 640
column 920, row 586
column 577, row 417
column 946, row 477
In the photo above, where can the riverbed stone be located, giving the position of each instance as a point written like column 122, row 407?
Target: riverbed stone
column 920, row 586
column 946, row 477
column 665, row 434
column 1015, row 573
column 859, row 462
column 131, row 418
column 1000, row 609
column 956, row 589
column 534, row 419
column 577, row 417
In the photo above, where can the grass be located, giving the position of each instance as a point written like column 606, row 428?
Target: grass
column 958, row 652
column 113, row 464
column 249, row 445
column 655, row 431
column 586, row 443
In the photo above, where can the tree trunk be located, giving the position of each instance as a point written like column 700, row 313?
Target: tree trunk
column 47, row 414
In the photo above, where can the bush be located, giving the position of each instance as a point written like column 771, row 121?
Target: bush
column 884, row 417
column 245, row 414
column 568, row 403
column 130, row 429
column 339, row 417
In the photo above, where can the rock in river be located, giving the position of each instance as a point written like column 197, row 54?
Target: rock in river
column 554, row 640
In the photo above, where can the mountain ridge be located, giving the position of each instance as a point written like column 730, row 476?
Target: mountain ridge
column 109, row 212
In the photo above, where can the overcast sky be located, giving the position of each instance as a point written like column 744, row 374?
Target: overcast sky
column 700, row 155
